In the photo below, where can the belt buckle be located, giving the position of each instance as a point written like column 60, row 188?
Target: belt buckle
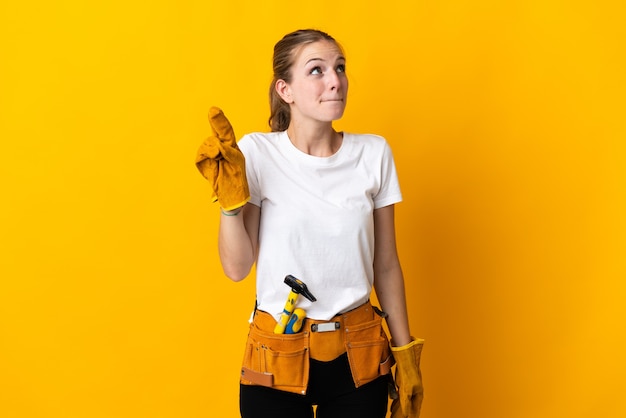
column 325, row 327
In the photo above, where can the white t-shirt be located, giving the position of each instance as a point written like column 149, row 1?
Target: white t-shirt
column 317, row 218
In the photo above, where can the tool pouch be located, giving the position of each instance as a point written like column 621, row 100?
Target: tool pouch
column 368, row 349
column 280, row 361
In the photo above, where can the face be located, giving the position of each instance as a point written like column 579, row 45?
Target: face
column 319, row 86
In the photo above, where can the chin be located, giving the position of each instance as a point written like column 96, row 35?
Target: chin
column 332, row 118
column 337, row 114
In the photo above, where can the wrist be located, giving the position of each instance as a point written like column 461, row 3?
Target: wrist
column 414, row 341
column 233, row 212
column 401, row 342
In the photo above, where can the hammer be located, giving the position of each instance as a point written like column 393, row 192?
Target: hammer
column 297, row 288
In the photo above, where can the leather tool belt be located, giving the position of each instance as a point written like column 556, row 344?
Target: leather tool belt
column 281, row 361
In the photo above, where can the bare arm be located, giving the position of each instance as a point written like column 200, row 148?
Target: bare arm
column 238, row 241
column 388, row 278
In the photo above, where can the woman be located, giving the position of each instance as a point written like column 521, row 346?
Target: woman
column 321, row 208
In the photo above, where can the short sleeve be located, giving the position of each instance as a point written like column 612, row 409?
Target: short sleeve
column 389, row 192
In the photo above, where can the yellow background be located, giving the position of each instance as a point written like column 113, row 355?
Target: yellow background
column 507, row 122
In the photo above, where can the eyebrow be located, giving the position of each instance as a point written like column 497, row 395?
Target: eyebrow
column 339, row 58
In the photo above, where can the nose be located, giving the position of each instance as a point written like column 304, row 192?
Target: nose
column 334, row 80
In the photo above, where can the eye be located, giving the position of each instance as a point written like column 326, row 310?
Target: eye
column 315, row 71
column 341, row 68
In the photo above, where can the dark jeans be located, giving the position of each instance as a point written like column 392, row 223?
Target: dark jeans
column 331, row 388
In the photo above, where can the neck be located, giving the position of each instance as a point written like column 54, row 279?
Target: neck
column 319, row 141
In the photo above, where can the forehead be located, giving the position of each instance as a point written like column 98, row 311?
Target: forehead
column 319, row 50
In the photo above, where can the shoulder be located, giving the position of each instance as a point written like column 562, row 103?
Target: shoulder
column 366, row 140
column 259, row 137
column 367, row 143
column 259, row 141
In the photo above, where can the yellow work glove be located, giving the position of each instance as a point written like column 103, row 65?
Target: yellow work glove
column 408, row 380
column 222, row 163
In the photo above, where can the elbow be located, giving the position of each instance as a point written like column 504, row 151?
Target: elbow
column 235, row 265
column 236, row 274
column 236, row 278
column 235, row 268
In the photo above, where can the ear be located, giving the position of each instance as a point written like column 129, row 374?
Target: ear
column 284, row 91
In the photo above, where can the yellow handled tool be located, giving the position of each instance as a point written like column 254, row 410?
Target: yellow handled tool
column 296, row 320
column 297, row 288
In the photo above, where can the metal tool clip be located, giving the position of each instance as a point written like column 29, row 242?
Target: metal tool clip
column 325, row 327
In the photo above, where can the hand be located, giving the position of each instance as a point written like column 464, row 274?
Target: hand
column 408, row 380
column 221, row 162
